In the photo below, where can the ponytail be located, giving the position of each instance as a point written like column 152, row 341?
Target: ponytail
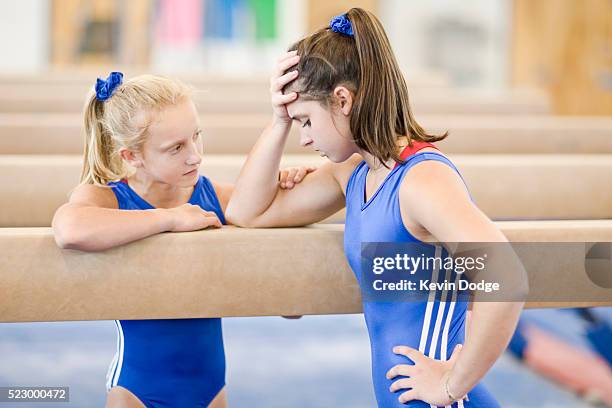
column 360, row 58
column 99, row 164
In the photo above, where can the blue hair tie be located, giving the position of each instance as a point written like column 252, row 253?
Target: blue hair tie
column 106, row 87
column 341, row 24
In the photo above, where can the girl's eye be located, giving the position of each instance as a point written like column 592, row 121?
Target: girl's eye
column 176, row 148
column 197, row 134
column 307, row 123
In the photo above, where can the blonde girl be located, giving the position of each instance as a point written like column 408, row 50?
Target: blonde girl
column 140, row 177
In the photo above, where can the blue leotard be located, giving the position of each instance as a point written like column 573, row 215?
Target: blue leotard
column 169, row 363
column 432, row 326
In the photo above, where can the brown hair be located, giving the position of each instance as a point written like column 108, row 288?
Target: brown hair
column 364, row 64
column 122, row 121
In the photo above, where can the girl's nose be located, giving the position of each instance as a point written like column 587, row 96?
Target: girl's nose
column 195, row 157
column 305, row 140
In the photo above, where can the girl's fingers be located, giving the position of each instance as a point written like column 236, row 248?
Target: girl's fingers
column 290, row 176
column 211, row 219
column 456, row 352
column 409, row 352
column 407, row 396
column 286, row 62
column 300, row 174
column 279, row 83
column 214, row 223
column 279, row 99
column 282, row 178
column 286, row 56
column 292, row 173
column 402, row 384
column 401, row 369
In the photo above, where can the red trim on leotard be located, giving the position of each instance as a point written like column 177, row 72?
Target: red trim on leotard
column 416, row 146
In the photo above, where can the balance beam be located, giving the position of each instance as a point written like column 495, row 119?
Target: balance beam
column 503, row 186
column 232, row 272
column 236, row 134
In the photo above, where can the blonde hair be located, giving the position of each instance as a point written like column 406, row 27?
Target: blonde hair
column 366, row 65
column 122, row 121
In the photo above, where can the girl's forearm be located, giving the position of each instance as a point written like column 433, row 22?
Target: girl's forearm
column 491, row 327
column 257, row 183
column 97, row 229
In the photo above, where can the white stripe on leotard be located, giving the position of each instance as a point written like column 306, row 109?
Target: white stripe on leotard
column 451, row 309
column 428, row 309
column 111, row 368
column 430, row 303
column 110, row 374
column 120, row 355
column 439, row 318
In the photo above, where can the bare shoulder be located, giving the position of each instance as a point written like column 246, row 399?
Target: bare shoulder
column 434, row 176
column 342, row 171
column 434, row 179
column 95, row 196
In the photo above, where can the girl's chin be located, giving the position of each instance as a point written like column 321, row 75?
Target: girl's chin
column 188, row 181
column 327, row 156
column 338, row 159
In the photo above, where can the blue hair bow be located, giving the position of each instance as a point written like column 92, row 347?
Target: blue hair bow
column 106, row 87
column 341, row 24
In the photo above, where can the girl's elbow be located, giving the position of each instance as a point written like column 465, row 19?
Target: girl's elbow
column 79, row 242
column 234, row 217
column 70, row 235
column 62, row 232
column 242, row 222
column 68, row 238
